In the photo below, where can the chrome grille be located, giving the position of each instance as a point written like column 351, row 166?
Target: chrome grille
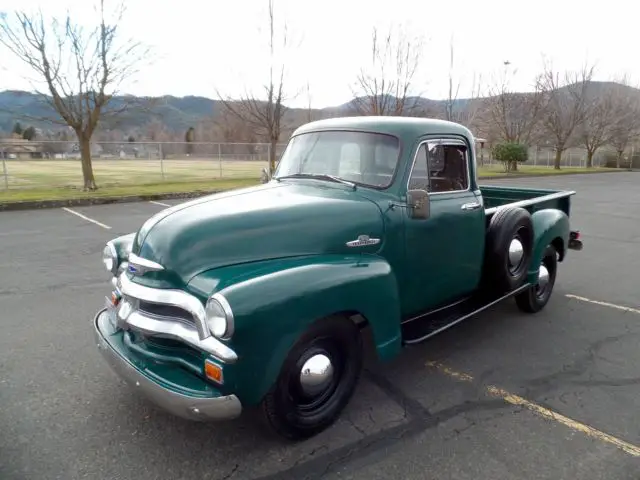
column 166, row 311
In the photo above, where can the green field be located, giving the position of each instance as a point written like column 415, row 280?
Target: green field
column 62, row 179
column 110, row 173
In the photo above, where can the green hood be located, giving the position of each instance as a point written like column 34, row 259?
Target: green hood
column 269, row 221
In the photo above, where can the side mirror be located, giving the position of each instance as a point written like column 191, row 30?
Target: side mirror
column 418, row 203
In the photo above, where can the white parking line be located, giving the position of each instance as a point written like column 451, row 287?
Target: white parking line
column 604, row 304
column 159, row 203
column 86, row 218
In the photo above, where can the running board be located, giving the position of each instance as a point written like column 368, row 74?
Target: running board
column 421, row 328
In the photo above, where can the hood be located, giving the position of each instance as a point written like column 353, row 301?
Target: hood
column 273, row 220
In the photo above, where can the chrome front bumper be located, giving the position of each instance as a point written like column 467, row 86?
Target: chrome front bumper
column 185, row 406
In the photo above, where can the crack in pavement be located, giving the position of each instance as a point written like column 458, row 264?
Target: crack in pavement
column 567, row 374
column 320, row 466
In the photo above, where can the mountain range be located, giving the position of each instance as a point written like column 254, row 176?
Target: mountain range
column 176, row 113
column 180, row 113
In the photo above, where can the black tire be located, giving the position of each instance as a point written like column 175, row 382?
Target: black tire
column 507, row 224
column 535, row 298
column 292, row 414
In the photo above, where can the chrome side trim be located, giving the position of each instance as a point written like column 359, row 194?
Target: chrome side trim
column 179, row 331
column 184, row 406
column 176, row 298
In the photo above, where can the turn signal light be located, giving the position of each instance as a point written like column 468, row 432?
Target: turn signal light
column 115, row 299
column 213, row 372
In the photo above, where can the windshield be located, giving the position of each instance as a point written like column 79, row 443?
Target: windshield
column 361, row 157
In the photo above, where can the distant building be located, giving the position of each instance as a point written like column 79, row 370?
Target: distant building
column 21, row 148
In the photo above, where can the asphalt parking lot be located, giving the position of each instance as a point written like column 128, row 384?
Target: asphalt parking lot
column 502, row 396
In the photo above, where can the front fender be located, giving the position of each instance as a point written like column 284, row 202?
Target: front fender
column 549, row 226
column 275, row 302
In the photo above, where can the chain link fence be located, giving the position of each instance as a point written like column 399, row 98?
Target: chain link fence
column 544, row 156
column 56, row 164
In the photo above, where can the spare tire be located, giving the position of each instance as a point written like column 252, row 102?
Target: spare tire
column 509, row 245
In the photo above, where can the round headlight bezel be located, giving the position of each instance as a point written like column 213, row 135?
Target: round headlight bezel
column 110, row 258
column 219, row 317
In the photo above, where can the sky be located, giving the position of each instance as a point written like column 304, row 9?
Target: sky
column 206, row 47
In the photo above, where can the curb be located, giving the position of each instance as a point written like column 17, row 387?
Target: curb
column 79, row 202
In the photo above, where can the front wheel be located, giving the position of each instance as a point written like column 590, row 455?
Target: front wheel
column 316, row 381
column 535, row 298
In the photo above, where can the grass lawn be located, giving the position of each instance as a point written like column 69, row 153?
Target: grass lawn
column 116, row 172
column 62, row 179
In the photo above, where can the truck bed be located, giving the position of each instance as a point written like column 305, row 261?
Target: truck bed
column 528, row 198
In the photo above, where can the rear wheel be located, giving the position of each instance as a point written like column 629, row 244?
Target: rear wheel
column 535, row 298
column 316, row 381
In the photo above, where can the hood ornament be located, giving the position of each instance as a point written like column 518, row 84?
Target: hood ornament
column 363, row 241
column 140, row 266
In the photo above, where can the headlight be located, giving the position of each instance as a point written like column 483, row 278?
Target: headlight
column 219, row 317
column 110, row 258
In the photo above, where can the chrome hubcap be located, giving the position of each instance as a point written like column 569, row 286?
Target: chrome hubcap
column 516, row 254
column 543, row 279
column 316, row 374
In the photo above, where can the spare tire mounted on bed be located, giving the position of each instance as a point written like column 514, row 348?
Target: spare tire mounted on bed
column 509, row 244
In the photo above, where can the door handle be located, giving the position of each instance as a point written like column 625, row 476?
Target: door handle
column 470, row 206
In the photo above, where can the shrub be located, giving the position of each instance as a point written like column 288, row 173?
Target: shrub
column 510, row 154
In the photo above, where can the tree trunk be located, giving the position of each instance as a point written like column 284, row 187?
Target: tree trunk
column 619, row 157
column 590, row 158
column 272, row 155
column 514, row 166
column 85, row 160
column 556, row 161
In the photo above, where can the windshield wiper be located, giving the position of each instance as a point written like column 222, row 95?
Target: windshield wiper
column 319, row 176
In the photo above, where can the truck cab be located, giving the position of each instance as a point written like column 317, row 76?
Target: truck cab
column 258, row 297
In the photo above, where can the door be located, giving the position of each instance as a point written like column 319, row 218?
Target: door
column 444, row 253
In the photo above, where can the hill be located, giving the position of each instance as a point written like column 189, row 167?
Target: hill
column 179, row 113
column 176, row 113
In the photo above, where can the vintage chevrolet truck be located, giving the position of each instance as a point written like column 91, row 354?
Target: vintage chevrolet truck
column 258, row 297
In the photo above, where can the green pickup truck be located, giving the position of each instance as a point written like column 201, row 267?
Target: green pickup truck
column 258, row 297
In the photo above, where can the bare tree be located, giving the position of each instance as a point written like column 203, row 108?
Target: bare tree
column 513, row 115
column 600, row 116
column 230, row 128
column 385, row 87
column 265, row 115
column 625, row 127
column 564, row 99
column 309, row 109
column 81, row 70
column 465, row 110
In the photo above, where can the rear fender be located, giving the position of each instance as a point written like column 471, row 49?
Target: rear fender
column 550, row 226
column 275, row 305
